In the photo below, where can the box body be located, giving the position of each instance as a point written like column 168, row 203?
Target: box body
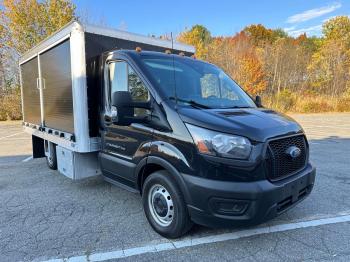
column 60, row 104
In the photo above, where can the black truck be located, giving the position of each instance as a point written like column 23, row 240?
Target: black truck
column 147, row 116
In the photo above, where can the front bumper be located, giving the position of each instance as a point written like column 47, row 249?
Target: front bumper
column 222, row 204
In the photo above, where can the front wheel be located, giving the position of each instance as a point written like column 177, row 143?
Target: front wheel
column 164, row 205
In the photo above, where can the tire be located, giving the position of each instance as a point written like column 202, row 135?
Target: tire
column 164, row 205
column 51, row 160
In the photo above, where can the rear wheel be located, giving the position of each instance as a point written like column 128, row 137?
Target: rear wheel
column 164, row 205
column 51, row 158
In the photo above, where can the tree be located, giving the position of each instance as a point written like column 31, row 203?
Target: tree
column 330, row 65
column 278, row 33
column 2, row 72
column 199, row 37
column 252, row 76
column 23, row 24
column 27, row 22
column 337, row 28
column 259, row 34
column 240, row 59
column 329, row 68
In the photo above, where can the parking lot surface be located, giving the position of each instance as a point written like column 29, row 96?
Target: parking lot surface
column 45, row 216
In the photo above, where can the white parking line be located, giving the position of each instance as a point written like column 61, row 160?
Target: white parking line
column 122, row 253
column 4, row 137
column 27, row 159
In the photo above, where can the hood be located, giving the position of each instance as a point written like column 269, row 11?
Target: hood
column 254, row 123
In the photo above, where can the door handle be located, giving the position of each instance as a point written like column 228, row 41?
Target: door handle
column 38, row 83
column 111, row 117
column 108, row 120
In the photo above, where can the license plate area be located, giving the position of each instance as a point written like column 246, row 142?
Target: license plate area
column 293, row 193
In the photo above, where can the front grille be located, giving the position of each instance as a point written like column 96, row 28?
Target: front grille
column 278, row 163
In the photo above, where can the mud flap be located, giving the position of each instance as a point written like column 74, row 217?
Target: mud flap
column 38, row 147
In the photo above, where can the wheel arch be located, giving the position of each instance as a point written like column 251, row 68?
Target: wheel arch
column 152, row 164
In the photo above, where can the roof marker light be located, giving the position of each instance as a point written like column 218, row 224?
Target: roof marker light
column 138, row 49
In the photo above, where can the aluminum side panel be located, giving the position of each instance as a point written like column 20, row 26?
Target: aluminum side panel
column 30, row 91
column 57, row 88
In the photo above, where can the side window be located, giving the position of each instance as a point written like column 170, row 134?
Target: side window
column 118, row 76
column 123, row 78
column 137, row 89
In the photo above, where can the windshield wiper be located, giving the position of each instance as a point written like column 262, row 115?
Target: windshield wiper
column 190, row 102
column 231, row 107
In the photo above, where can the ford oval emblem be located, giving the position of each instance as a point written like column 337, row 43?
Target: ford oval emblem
column 293, row 151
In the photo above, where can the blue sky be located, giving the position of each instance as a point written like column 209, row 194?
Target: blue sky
column 221, row 17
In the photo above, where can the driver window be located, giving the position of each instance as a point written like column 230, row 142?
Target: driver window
column 118, row 76
column 123, row 78
column 137, row 89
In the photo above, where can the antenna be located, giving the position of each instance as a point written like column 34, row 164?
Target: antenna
column 172, row 41
column 172, row 51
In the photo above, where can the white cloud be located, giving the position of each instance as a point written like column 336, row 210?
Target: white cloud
column 288, row 29
column 312, row 30
column 312, row 13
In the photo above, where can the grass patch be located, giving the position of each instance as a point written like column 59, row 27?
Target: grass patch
column 301, row 103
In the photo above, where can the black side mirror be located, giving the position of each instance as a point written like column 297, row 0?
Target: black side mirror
column 121, row 101
column 258, row 101
column 125, row 106
column 121, row 98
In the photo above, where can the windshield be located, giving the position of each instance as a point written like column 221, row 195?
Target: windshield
column 197, row 83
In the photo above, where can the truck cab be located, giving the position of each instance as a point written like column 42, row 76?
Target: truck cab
column 196, row 147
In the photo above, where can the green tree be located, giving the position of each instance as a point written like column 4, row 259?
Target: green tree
column 199, row 37
column 278, row 33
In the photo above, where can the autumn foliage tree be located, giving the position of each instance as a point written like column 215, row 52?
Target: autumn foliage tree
column 330, row 66
column 23, row 24
column 199, row 37
column 259, row 34
column 238, row 57
column 27, row 22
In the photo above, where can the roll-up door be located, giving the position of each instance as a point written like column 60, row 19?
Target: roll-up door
column 31, row 93
column 55, row 67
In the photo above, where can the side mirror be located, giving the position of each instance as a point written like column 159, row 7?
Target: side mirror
column 122, row 100
column 125, row 106
column 258, row 101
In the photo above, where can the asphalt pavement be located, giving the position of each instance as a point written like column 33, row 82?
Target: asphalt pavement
column 45, row 216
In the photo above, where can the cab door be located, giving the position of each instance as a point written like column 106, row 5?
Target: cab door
column 124, row 145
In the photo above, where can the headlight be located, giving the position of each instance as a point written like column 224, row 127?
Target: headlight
column 218, row 144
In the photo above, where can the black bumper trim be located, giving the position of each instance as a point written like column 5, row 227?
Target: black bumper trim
column 266, row 199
